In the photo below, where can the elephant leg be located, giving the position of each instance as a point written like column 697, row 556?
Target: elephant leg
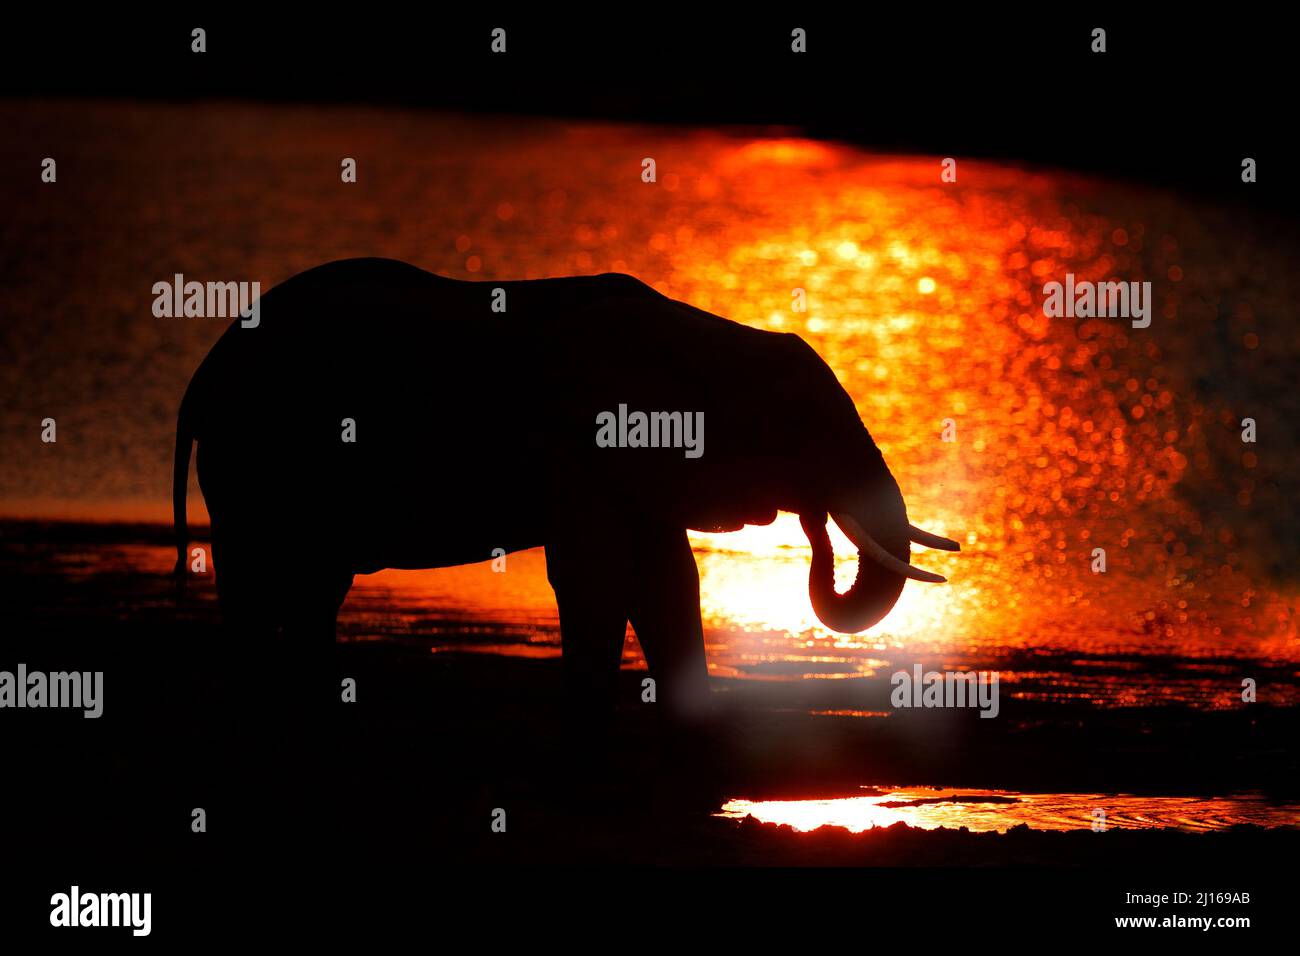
column 246, row 586
column 308, row 707
column 246, row 712
column 248, row 591
column 278, row 621
column 310, row 614
column 665, row 613
column 589, row 575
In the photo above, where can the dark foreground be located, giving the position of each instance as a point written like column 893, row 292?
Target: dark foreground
column 403, row 784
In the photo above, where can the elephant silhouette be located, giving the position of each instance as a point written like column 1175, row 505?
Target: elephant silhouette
column 476, row 410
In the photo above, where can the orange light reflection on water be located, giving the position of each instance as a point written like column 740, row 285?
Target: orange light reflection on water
column 999, row 810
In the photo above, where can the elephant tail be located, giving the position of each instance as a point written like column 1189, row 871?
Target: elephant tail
column 180, row 485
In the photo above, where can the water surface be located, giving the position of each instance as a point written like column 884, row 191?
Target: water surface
column 999, row 810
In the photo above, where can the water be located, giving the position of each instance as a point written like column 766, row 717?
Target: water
column 999, row 810
column 925, row 299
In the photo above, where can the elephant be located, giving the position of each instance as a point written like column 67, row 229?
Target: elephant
column 475, row 411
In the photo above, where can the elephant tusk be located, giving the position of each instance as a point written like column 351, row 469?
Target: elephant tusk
column 928, row 540
column 868, row 546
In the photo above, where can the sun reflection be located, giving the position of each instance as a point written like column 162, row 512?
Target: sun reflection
column 999, row 810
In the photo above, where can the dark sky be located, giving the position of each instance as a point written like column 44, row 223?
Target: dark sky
column 1173, row 102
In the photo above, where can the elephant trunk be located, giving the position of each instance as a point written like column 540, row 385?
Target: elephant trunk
column 883, row 558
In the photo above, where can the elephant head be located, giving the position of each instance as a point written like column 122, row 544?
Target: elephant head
column 874, row 518
column 848, row 479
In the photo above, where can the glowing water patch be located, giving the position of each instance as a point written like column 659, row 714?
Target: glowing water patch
column 999, row 810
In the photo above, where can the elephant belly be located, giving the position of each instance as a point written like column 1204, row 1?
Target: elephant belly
column 370, row 511
column 436, row 539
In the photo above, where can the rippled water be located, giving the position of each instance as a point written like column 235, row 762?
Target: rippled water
column 987, row 810
column 925, row 298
